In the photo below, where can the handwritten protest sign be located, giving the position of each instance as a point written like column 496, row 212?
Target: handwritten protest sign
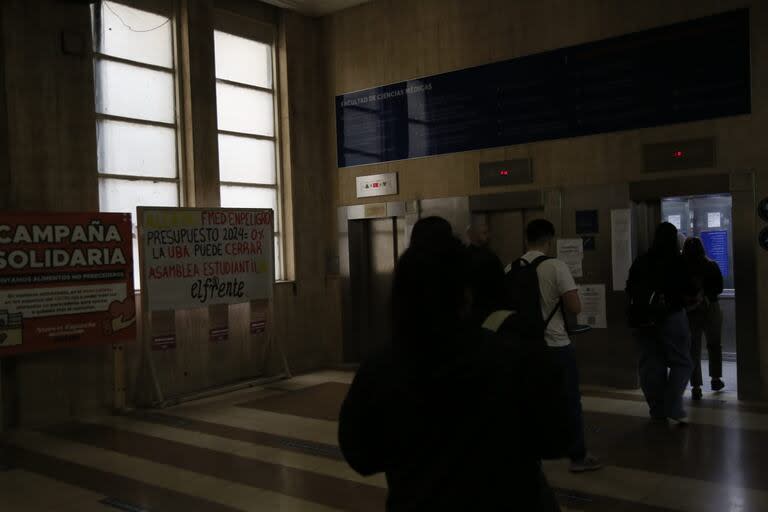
column 195, row 257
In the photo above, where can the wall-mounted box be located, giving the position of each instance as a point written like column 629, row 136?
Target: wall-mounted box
column 679, row 155
column 506, row 172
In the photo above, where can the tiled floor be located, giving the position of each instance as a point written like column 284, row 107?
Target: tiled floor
column 274, row 448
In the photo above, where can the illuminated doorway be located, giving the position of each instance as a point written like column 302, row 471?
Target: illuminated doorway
column 709, row 218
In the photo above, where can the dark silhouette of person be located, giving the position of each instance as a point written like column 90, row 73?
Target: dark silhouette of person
column 441, row 412
column 429, row 233
column 661, row 289
column 558, row 295
column 487, row 273
column 706, row 319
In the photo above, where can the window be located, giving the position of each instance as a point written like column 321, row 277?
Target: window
column 135, row 110
column 245, row 99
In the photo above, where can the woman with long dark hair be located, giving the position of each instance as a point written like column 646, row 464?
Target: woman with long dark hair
column 441, row 412
column 707, row 318
column 660, row 289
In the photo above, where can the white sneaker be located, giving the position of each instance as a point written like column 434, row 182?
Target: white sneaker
column 588, row 463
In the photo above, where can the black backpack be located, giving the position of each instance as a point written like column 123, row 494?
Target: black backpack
column 646, row 304
column 523, row 295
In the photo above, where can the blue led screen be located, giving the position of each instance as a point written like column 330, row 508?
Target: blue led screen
column 716, row 246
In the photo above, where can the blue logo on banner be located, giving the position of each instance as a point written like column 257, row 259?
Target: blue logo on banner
column 716, row 245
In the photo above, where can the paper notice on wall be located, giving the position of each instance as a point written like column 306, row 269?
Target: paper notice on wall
column 592, row 306
column 621, row 247
column 571, row 252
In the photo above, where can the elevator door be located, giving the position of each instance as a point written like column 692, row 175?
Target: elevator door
column 506, row 235
column 709, row 218
column 383, row 255
column 375, row 245
column 507, row 232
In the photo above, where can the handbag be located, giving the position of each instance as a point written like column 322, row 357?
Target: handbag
column 646, row 313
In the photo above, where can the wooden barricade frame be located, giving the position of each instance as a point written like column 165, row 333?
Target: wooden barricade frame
column 271, row 341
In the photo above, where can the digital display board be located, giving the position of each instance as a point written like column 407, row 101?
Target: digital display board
column 689, row 71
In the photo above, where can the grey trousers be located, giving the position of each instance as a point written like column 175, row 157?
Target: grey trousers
column 665, row 365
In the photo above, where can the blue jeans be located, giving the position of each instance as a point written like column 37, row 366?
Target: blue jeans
column 665, row 365
column 565, row 359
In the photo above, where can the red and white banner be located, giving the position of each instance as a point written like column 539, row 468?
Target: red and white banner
column 66, row 280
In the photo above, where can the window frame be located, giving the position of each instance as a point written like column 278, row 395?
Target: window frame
column 174, row 71
column 177, row 126
column 254, row 30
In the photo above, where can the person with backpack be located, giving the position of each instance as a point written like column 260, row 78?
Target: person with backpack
column 440, row 411
column 542, row 291
column 661, row 289
column 707, row 318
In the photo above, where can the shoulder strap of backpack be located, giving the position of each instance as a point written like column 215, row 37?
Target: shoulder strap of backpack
column 522, row 262
column 538, row 261
column 558, row 307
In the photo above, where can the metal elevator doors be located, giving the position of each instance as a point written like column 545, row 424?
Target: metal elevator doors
column 506, row 229
column 375, row 245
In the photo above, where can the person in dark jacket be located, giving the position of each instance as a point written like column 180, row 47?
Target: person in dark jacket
column 707, row 318
column 441, row 412
column 487, row 273
column 659, row 281
column 430, row 233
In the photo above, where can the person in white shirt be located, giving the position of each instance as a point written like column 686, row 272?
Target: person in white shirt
column 558, row 290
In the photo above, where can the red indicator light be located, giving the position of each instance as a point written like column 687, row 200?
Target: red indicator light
column 678, row 154
column 375, row 185
column 503, row 173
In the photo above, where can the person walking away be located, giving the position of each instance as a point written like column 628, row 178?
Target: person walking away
column 487, row 273
column 557, row 295
column 707, row 318
column 660, row 288
column 440, row 411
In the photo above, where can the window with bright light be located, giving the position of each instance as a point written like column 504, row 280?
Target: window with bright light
column 135, row 110
column 245, row 99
